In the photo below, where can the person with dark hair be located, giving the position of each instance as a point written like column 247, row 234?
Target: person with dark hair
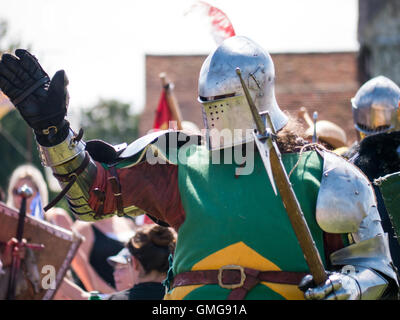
column 102, row 239
column 235, row 238
column 141, row 267
column 149, row 249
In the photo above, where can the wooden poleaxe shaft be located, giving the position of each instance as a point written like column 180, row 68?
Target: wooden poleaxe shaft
column 289, row 199
column 297, row 219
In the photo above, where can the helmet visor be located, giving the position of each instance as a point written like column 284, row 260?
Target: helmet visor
column 229, row 122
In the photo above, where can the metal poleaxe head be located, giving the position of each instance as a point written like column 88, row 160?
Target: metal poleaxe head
column 263, row 139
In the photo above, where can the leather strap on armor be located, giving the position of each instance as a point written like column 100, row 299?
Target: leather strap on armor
column 70, row 178
column 237, row 278
column 116, row 189
column 101, row 196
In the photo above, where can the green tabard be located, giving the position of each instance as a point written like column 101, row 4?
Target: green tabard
column 223, row 209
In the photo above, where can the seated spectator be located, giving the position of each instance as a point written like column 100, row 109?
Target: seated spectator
column 123, row 273
column 150, row 249
column 33, row 178
column 103, row 239
column 140, row 268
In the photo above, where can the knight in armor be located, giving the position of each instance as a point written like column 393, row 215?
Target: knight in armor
column 376, row 119
column 235, row 240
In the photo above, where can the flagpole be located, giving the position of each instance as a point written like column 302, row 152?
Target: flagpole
column 172, row 101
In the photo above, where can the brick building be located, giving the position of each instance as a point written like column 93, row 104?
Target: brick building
column 323, row 82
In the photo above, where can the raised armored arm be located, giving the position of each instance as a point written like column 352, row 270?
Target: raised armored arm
column 75, row 171
column 92, row 186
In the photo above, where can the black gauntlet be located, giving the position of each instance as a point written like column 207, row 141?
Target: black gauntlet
column 41, row 102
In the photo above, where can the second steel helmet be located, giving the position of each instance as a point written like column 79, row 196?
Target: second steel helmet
column 375, row 106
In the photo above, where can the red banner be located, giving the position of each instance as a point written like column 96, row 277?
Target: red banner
column 163, row 113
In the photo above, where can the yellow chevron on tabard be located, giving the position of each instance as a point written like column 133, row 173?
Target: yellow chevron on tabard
column 239, row 254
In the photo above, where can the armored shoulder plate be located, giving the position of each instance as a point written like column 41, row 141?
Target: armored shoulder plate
column 162, row 140
column 104, row 152
column 346, row 203
column 140, row 144
column 345, row 198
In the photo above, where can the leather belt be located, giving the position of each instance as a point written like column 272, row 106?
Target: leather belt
column 237, row 278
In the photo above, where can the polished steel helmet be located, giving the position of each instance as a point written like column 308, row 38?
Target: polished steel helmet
column 375, row 106
column 226, row 112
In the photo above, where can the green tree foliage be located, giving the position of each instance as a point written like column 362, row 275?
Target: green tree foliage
column 17, row 144
column 110, row 121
